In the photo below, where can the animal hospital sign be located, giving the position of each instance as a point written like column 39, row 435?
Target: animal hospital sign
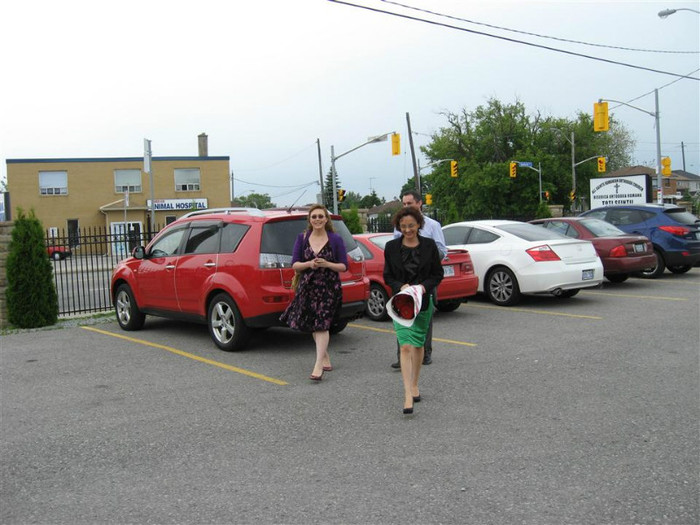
column 620, row 190
column 178, row 204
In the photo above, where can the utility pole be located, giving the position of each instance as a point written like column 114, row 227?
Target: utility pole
column 148, row 169
column 320, row 168
column 683, row 154
column 416, row 174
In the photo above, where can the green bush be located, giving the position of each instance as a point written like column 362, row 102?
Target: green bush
column 31, row 296
column 352, row 220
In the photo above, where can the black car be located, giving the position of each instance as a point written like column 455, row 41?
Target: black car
column 673, row 231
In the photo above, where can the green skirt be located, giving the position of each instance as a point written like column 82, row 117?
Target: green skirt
column 414, row 335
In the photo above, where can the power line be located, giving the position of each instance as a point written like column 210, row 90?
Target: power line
column 306, row 184
column 534, row 34
column 652, row 91
column 481, row 33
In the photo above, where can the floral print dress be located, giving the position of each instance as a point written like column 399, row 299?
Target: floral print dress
column 318, row 297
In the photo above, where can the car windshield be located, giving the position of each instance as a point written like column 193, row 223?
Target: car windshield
column 279, row 236
column 601, row 228
column 531, row 232
column 682, row 216
column 381, row 240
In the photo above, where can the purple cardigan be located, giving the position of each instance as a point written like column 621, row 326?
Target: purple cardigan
column 340, row 254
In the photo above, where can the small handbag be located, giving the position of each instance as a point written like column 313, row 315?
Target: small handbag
column 295, row 281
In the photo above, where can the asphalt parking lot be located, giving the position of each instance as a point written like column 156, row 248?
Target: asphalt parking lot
column 582, row 410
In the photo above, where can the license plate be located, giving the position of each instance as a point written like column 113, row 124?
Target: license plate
column 588, row 275
column 449, row 271
column 640, row 248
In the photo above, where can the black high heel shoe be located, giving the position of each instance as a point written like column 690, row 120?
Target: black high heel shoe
column 416, row 399
column 408, row 410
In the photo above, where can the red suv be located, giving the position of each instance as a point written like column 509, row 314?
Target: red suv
column 229, row 268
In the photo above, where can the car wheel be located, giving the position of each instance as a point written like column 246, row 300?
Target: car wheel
column 680, row 269
column 502, row 287
column 656, row 271
column 449, row 305
column 338, row 327
column 57, row 256
column 129, row 316
column 565, row 294
column 226, row 325
column 617, row 278
column 376, row 303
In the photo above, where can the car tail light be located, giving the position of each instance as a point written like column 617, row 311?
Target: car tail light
column 542, row 253
column 275, row 260
column 467, row 268
column 680, row 231
column 618, row 251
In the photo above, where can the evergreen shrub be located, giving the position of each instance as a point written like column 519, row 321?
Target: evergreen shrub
column 31, row 296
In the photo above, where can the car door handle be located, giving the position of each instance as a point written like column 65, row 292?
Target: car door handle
column 210, row 264
column 169, row 266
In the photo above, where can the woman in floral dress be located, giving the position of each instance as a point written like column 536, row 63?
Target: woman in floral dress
column 319, row 257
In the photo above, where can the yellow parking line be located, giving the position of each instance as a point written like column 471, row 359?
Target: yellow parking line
column 636, row 296
column 385, row 331
column 544, row 312
column 190, row 356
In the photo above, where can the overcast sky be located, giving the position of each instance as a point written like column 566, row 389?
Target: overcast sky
column 265, row 79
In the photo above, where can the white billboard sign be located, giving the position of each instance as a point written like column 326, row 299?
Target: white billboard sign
column 618, row 190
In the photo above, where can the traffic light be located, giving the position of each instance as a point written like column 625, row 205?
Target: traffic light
column 666, row 166
column 453, row 168
column 428, row 199
column 572, row 195
column 600, row 116
column 395, row 144
column 341, row 195
column 513, row 170
column 601, row 164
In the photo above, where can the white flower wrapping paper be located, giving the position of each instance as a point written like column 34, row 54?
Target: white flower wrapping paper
column 415, row 293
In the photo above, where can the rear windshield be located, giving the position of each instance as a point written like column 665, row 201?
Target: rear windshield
column 531, row 232
column 601, row 228
column 682, row 216
column 279, row 236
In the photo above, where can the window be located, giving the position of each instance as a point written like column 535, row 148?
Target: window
column 53, row 183
column 168, row 244
column 231, row 235
column 187, row 179
column 479, row 236
column 127, row 180
column 203, row 238
column 456, row 234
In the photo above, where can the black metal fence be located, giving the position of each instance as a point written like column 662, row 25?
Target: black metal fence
column 83, row 261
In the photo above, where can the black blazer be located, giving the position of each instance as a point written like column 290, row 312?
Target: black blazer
column 429, row 272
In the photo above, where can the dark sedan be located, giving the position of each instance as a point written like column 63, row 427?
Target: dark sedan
column 622, row 254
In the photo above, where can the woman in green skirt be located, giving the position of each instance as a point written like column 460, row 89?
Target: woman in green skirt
column 412, row 260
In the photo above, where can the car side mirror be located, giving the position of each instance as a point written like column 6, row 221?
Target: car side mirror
column 139, row 252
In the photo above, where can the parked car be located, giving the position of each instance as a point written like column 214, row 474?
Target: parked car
column 229, row 268
column 458, row 284
column 673, row 231
column 622, row 253
column 512, row 258
column 57, row 252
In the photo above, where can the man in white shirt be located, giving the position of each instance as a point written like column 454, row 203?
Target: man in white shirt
column 431, row 228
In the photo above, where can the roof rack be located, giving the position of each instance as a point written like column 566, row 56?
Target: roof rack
column 227, row 211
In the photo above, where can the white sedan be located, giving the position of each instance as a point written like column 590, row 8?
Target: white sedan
column 513, row 258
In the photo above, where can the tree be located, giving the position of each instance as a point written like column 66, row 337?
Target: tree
column 371, row 200
column 352, row 220
column 486, row 140
column 32, row 301
column 254, row 200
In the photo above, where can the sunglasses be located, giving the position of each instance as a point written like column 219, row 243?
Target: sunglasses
column 318, row 217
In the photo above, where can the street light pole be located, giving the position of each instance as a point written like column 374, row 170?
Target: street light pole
column 668, row 12
column 334, row 175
